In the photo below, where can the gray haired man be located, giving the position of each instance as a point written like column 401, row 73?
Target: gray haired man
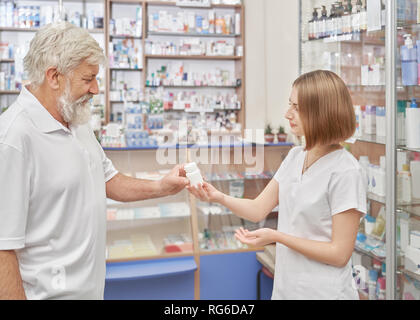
column 55, row 176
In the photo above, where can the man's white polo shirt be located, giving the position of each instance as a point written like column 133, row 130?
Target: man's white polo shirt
column 53, row 202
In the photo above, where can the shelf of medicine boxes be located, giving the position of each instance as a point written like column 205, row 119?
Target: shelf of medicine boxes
column 187, row 57
column 376, row 37
column 211, row 6
column 147, row 230
column 17, row 29
column 240, row 40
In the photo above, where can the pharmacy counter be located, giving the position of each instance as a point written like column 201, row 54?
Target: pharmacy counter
column 164, row 279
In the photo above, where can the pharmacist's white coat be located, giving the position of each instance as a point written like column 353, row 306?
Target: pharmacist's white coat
column 53, row 202
column 333, row 184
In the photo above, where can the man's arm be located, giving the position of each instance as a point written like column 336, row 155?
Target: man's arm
column 11, row 287
column 126, row 189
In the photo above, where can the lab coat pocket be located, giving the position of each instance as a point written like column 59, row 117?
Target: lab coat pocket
column 316, row 287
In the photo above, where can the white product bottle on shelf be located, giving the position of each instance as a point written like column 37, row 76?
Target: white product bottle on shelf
column 193, row 174
column 413, row 125
column 409, row 67
column 415, row 179
column 404, row 185
column 380, row 177
column 364, row 163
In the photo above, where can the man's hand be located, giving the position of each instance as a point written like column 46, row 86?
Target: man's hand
column 174, row 182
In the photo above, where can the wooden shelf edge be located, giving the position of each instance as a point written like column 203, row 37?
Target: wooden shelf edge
column 191, row 57
column 212, row 6
column 156, row 257
column 253, row 249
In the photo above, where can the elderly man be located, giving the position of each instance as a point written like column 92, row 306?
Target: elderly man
column 55, row 176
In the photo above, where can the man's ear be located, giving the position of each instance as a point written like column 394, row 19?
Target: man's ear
column 51, row 75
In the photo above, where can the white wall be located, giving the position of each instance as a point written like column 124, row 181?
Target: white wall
column 272, row 53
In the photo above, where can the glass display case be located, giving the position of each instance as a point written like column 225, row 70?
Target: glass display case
column 348, row 38
column 181, row 225
column 241, row 172
column 403, row 96
column 381, row 68
column 151, row 228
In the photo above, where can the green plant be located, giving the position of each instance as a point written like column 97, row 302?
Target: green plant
column 281, row 130
column 268, row 129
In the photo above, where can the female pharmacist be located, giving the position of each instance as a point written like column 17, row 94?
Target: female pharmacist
column 321, row 193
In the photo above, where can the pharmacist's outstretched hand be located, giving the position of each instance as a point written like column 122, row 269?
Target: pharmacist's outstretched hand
column 257, row 238
column 174, row 182
column 206, row 192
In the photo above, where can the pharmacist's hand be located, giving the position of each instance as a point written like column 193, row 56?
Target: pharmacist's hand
column 174, row 182
column 257, row 238
column 206, row 193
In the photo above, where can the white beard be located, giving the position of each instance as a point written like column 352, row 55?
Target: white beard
column 74, row 112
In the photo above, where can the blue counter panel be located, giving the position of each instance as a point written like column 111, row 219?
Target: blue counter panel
column 229, row 276
column 167, row 279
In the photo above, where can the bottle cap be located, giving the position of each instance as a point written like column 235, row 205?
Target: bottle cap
column 361, row 237
column 190, row 167
column 413, row 103
column 369, row 218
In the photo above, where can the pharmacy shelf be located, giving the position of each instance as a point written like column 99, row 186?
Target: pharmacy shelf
column 411, row 274
column 403, row 26
column 200, row 111
column 9, row 92
column 412, row 209
column 119, row 101
column 194, row 87
column 16, row 29
column 180, row 34
column 404, row 148
column 124, row 36
column 150, row 218
column 368, row 253
column 376, row 198
column 193, row 57
column 372, row 138
column 175, row 4
column 126, row 69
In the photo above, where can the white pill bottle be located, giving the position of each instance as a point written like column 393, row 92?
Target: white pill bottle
column 193, row 174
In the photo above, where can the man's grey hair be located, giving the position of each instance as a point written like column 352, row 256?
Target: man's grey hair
column 63, row 46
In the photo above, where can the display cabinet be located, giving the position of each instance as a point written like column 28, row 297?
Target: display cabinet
column 380, row 66
column 186, row 60
column 171, row 229
column 403, row 197
column 348, row 38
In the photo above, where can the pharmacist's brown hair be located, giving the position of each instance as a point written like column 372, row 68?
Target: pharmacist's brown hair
column 325, row 108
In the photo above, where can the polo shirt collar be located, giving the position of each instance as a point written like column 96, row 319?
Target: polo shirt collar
column 39, row 115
